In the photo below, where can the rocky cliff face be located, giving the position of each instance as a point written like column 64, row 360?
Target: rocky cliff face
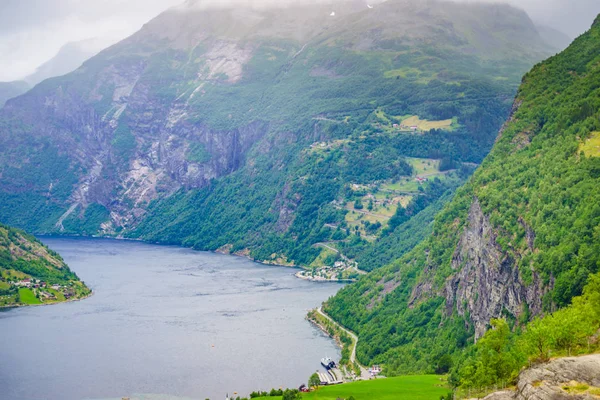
column 138, row 149
column 128, row 142
column 564, row 378
column 487, row 282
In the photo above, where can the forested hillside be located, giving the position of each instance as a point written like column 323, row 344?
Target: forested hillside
column 269, row 132
column 31, row 273
column 519, row 240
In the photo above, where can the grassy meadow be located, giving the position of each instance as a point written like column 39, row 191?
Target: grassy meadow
column 414, row 387
column 27, row 297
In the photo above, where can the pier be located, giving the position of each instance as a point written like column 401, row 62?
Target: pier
column 333, row 376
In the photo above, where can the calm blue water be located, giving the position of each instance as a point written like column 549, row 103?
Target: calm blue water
column 164, row 322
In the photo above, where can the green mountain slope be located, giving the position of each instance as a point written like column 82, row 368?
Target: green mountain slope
column 266, row 131
column 520, row 239
column 31, row 273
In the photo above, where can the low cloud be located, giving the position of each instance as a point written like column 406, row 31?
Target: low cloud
column 33, row 31
column 572, row 17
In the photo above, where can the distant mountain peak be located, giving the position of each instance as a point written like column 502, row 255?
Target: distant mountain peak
column 69, row 58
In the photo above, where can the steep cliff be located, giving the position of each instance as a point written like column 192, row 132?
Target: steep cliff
column 520, row 239
column 486, row 282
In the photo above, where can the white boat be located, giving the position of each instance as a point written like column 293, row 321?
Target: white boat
column 328, row 363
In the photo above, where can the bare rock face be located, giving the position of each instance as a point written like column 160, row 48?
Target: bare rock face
column 130, row 144
column 504, row 395
column 564, row 378
column 487, row 280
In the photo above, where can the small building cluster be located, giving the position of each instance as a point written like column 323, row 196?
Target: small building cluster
column 344, row 270
column 41, row 288
column 375, row 370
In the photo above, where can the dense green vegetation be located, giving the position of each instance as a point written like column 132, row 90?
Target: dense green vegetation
column 87, row 224
column 541, row 193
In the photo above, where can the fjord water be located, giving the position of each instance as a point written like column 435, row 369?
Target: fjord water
column 164, row 321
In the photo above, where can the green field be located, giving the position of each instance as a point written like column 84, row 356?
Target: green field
column 591, row 147
column 27, row 297
column 404, row 185
column 415, row 387
column 424, row 165
column 425, row 125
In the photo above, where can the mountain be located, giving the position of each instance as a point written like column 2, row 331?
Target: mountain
column 68, row 59
column 554, row 37
column 31, row 273
column 285, row 134
column 518, row 241
column 8, row 90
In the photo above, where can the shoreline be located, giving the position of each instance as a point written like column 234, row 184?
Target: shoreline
column 321, row 280
column 48, row 304
column 218, row 251
column 353, row 362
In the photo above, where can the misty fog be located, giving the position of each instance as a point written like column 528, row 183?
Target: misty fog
column 33, row 31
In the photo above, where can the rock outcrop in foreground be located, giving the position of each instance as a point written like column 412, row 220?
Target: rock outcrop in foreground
column 564, row 378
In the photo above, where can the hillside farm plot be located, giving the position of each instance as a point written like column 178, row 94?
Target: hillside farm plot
column 12, row 273
column 425, row 125
column 404, row 185
column 591, row 147
column 380, row 201
column 423, row 166
column 324, row 147
column 368, row 223
column 378, row 207
column 390, row 124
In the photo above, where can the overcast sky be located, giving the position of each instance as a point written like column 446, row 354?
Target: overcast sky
column 32, row 31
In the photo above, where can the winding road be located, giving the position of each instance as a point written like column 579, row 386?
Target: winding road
column 363, row 371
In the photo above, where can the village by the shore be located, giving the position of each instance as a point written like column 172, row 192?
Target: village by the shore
column 42, row 290
column 344, row 270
